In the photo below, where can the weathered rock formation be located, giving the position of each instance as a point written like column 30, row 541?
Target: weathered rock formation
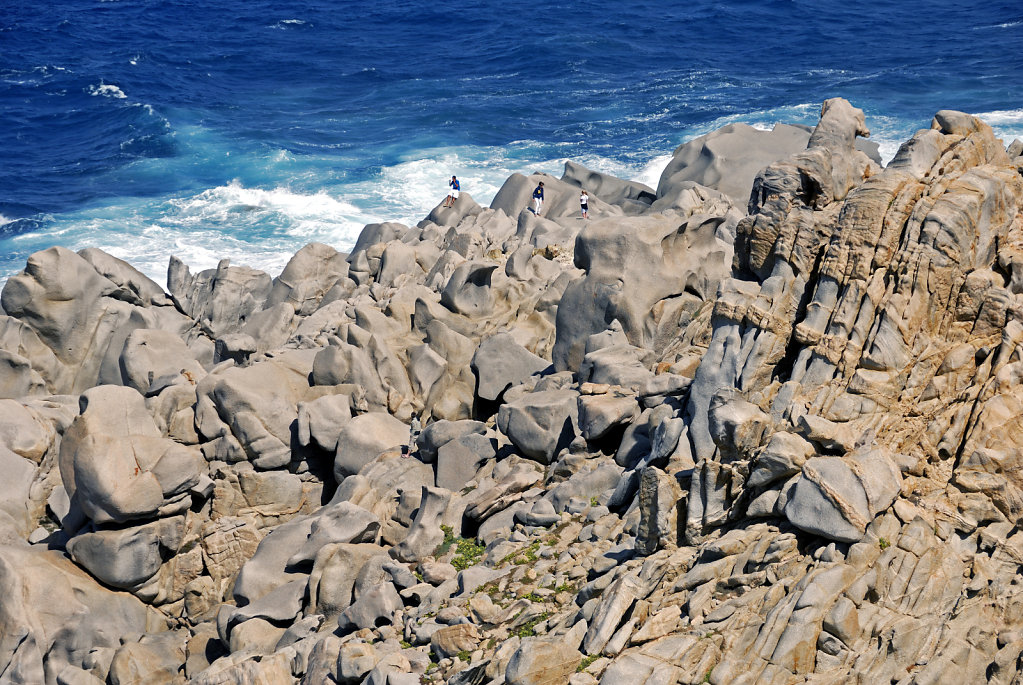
column 761, row 425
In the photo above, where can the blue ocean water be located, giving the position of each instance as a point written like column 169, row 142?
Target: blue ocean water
column 247, row 129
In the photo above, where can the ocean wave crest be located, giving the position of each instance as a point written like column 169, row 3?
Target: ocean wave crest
column 107, row 90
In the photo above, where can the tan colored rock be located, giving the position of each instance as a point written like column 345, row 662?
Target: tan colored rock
column 450, row 640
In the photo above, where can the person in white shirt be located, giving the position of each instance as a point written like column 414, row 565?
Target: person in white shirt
column 584, row 204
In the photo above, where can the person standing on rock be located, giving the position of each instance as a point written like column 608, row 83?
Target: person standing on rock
column 538, row 199
column 414, row 429
column 454, row 187
column 584, row 204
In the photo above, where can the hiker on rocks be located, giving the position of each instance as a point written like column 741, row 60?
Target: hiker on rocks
column 584, row 204
column 453, row 192
column 538, row 199
column 414, row 429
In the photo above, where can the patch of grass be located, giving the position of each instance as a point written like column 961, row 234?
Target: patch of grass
column 534, row 598
column 570, row 588
column 528, row 629
column 524, row 556
column 706, row 676
column 465, row 656
column 467, row 553
column 585, row 663
column 405, row 644
column 883, row 543
column 594, row 502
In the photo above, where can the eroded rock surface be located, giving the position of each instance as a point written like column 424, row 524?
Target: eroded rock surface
column 760, row 425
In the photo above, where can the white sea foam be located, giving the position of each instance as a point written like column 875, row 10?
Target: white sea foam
column 650, row 174
column 288, row 23
column 4, row 220
column 107, row 90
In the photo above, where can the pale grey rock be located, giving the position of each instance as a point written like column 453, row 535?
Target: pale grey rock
column 64, row 320
column 342, row 363
column 127, row 558
column 659, row 495
column 498, row 525
column 365, row 437
column 117, row 465
column 308, row 277
column 374, row 608
column 17, row 377
column 425, row 534
column 54, row 616
column 135, row 287
column 468, row 291
column 601, row 414
column 155, row 658
column 500, row 362
column 322, row 419
column 263, row 331
column 452, row 639
column 279, row 606
column 621, row 365
column 632, row 196
column 837, row 497
column 599, row 480
column 398, row 264
column 475, row 577
column 256, row 406
column 342, row 522
column 437, row 572
column 631, row 272
column 332, row 580
column 149, row 355
column 729, row 158
column 247, row 668
column 16, row 489
column 736, row 426
column 783, row 456
column 540, row 423
column 459, row 459
column 451, row 216
column 542, row 513
column 268, row 568
column 219, row 300
column 439, row 433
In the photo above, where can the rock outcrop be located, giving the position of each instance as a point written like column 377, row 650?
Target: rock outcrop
column 759, row 426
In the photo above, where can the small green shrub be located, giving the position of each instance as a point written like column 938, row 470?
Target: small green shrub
column 527, row 629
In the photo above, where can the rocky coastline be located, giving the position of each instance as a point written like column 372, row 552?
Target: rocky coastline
column 761, row 424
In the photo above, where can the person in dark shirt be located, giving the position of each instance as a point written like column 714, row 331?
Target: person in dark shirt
column 538, row 199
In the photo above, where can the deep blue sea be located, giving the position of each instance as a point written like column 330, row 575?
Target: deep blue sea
column 246, row 129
